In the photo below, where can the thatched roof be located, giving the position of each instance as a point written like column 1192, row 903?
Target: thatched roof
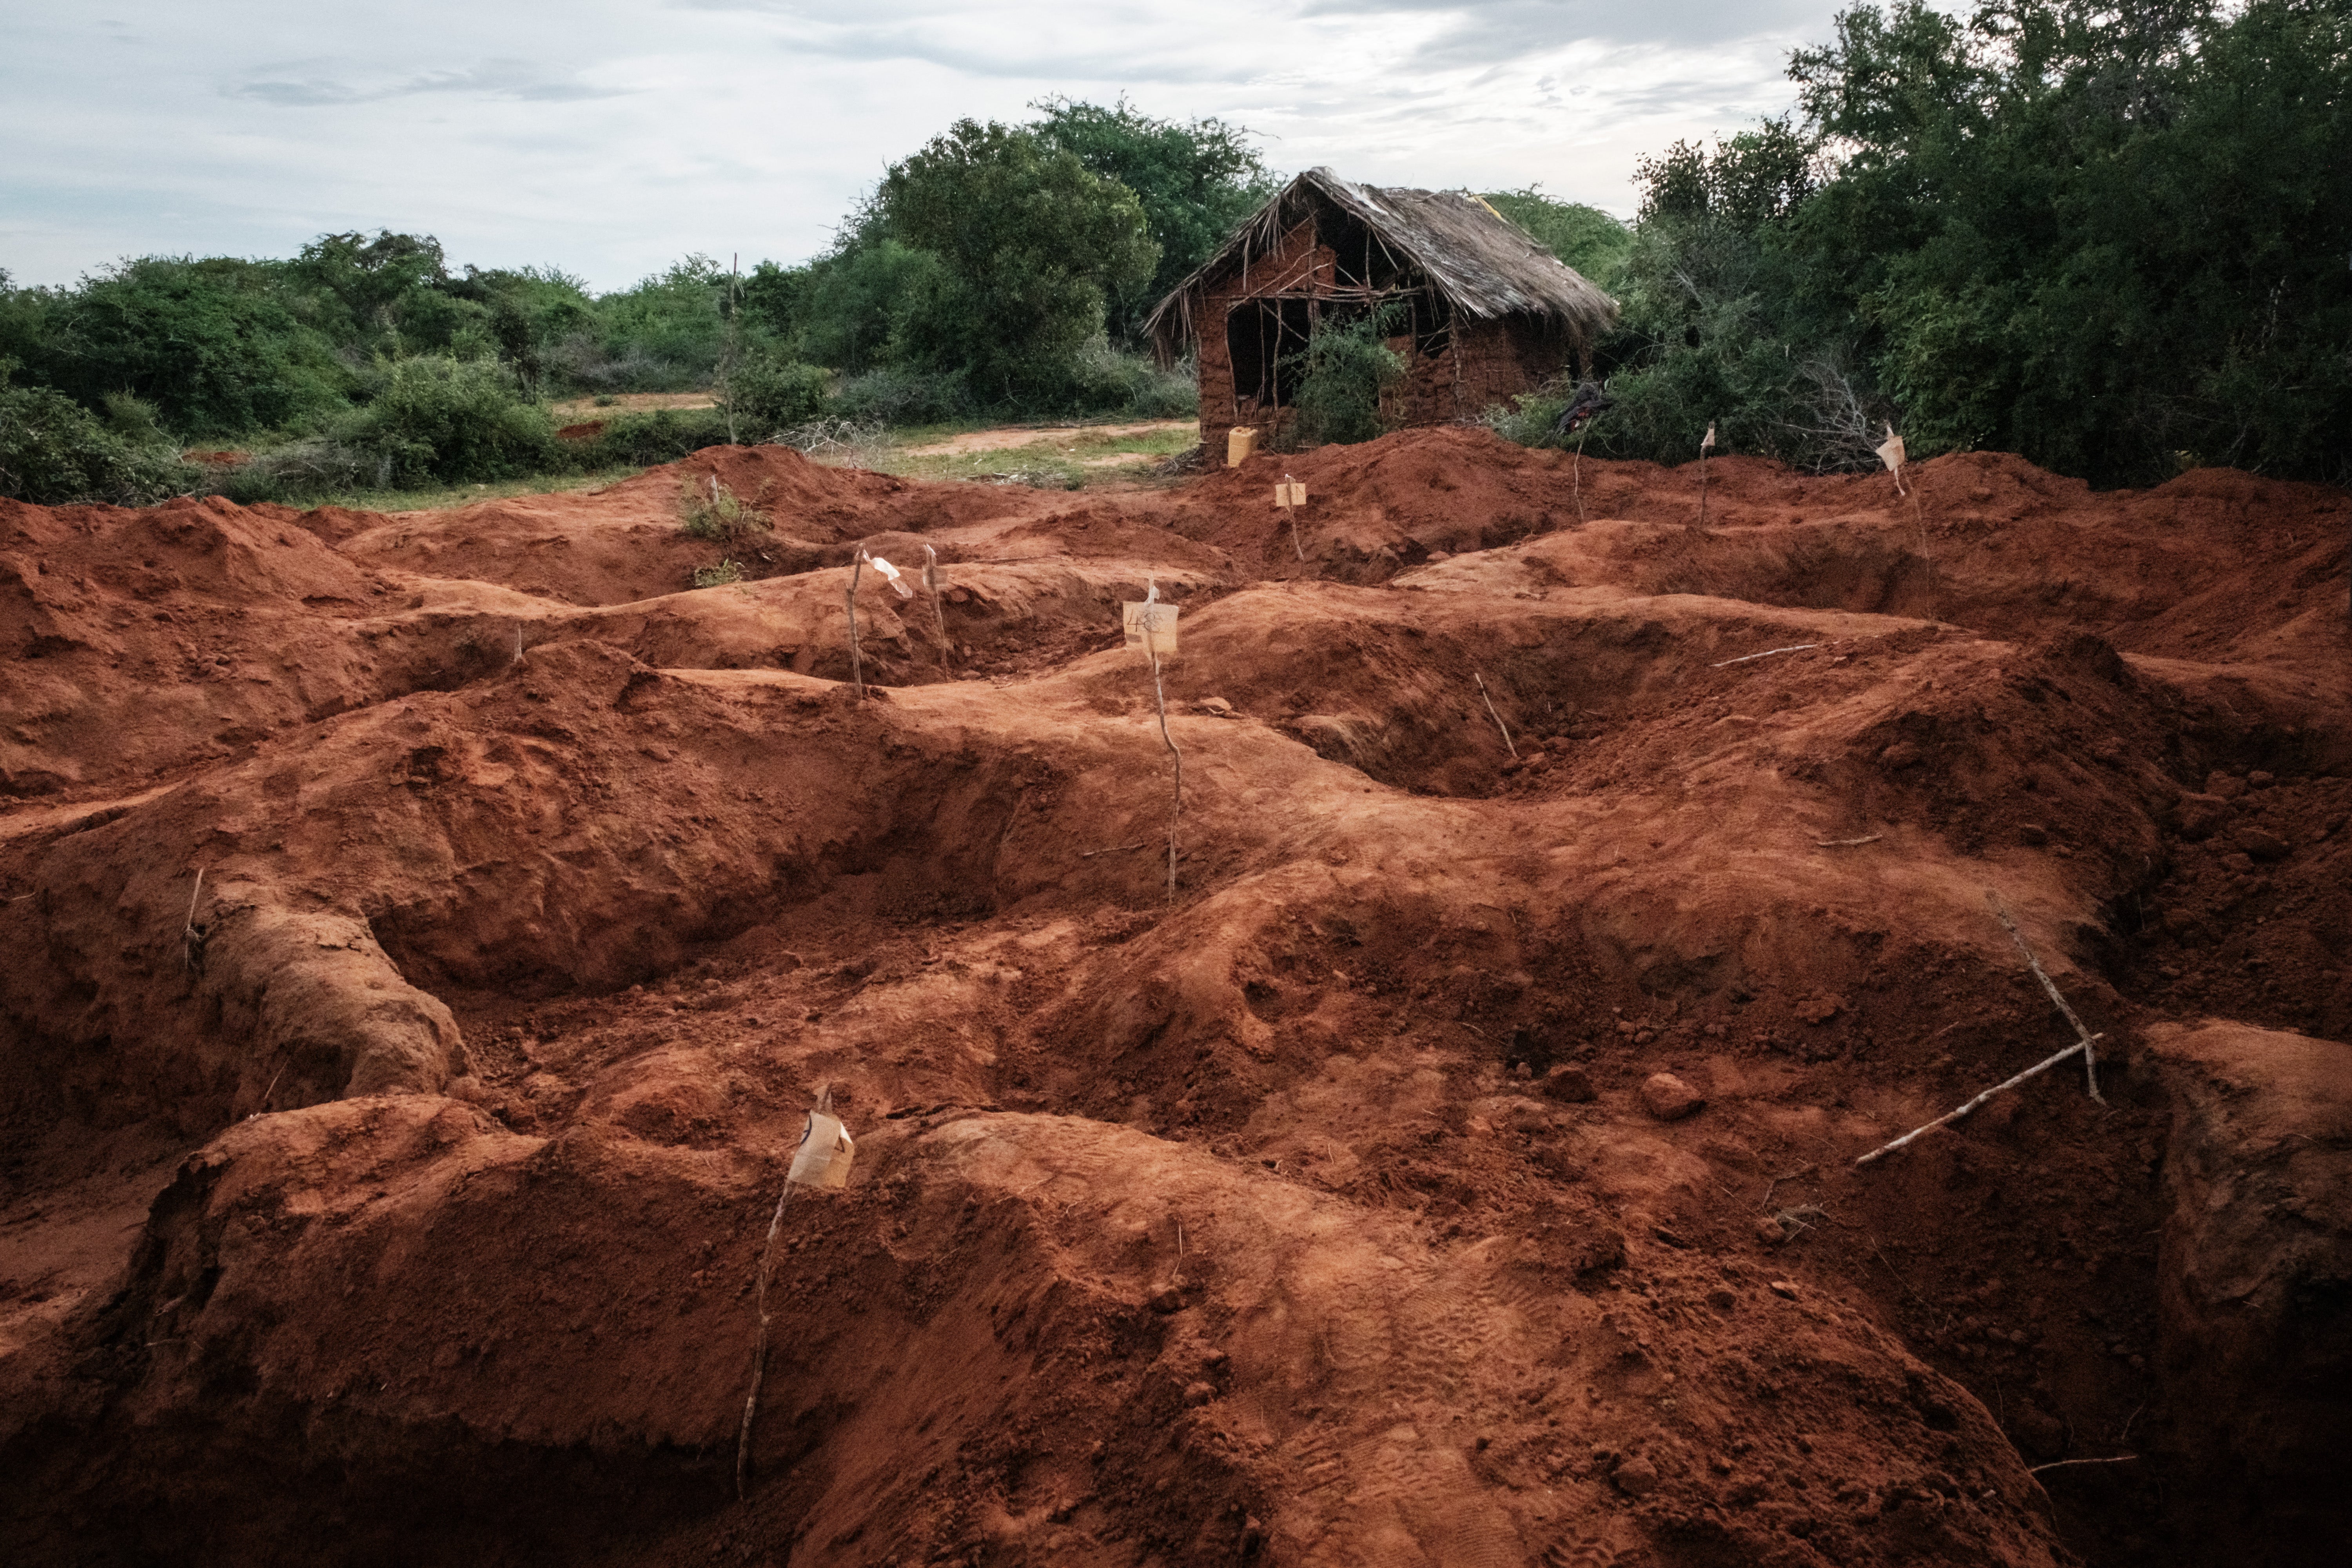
column 1484, row 265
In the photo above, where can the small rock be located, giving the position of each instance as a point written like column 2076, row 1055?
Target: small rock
column 2224, row 786
column 2237, row 862
column 1198, row 1393
column 1901, row 755
column 2262, row 844
column 2199, row 815
column 1217, row 707
column 1668, row 1098
column 1771, row 1231
column 1627, row 1026
column 2032, row 833
column 1569, row 1083
column 1635, row 1478
column 2260, row 780
column 1785, row 1288
column 1167, row 1299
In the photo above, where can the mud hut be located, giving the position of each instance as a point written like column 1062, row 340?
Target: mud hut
column 1486, row 312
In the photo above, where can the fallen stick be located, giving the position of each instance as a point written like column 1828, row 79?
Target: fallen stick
column 192, row 941
column 2090, row 1058
column 1767, row 653
column 2061, row 1463
column 1108, row 850
column 1497, row 718
column 1293, row 509
column 1845, row 843
column 2041, row 1066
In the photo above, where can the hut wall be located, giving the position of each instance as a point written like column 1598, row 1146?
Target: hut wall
column 1482, row 362
column 1299, row 267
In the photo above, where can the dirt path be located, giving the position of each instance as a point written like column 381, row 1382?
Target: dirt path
column 1066, row 435
column 1459, row 1169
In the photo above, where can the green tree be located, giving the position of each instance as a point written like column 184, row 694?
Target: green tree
column 1585, row 237
column 1196, row 181
column 1032, row 246
column 212, row 346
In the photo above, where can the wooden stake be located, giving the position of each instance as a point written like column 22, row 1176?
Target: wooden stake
column 938, row 615
column 2090, row 1058
column 1176, row 809
column 760, row 1345
column 759, row 1351
column 857, row 669
column 192, row 941
column 1497, row 718
column 1576, row 471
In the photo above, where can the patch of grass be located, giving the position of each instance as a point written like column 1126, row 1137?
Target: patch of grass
column 1060, row 457
column 443, row 498
column 709, row 510
column 717, row 576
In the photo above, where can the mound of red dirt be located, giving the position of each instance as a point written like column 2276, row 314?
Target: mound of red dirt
column 1459, row 1167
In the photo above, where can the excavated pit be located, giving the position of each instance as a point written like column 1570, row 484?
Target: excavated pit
column 409, row 1207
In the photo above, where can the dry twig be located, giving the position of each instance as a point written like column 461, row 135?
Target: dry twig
column 2090, row 1056
column 1846, row 843
column 1496, row 717
column 760, row 1346
column 938, row 615
column 192, row 938
column 849, row 597
column 2043, row 1066
column 2061, row 1463
column 1176, row 807
column 1767, row 653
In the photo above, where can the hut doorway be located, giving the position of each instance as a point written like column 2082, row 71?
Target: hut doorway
column 1259, row 335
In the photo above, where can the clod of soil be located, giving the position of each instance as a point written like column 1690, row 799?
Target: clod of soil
column 399, row 1194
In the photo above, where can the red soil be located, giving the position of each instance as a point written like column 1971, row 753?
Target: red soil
column 411, row 1211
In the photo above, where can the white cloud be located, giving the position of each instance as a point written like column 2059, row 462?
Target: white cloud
column 613, row 136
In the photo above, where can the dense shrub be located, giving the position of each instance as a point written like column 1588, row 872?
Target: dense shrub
column 2107, row 237
column 664, row 436
column 1342, row 370
column 53, row 451
column 766, row 394
column 452, row 421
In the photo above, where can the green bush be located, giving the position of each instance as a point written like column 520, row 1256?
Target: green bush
column 54, row 452
column 664, row 436
column 1109, row 380
column 766, row 395
column 707, row 509
column 897, row 397
column 1343, row 370
column 452, row 421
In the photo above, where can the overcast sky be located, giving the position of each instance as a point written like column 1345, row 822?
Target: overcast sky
column 610, row 137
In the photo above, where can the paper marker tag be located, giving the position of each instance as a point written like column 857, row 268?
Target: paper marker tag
column 1291, row 492
column 1150, row 627
column 1891, row 452
column 823, row 1159
column 890, row 573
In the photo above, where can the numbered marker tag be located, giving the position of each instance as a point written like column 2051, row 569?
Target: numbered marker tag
column 1891, row 452
column 823, row 1159
column 1150, row 627
column 1290, row 493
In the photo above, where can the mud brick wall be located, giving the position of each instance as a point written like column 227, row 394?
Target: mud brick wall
column 1482, row 362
